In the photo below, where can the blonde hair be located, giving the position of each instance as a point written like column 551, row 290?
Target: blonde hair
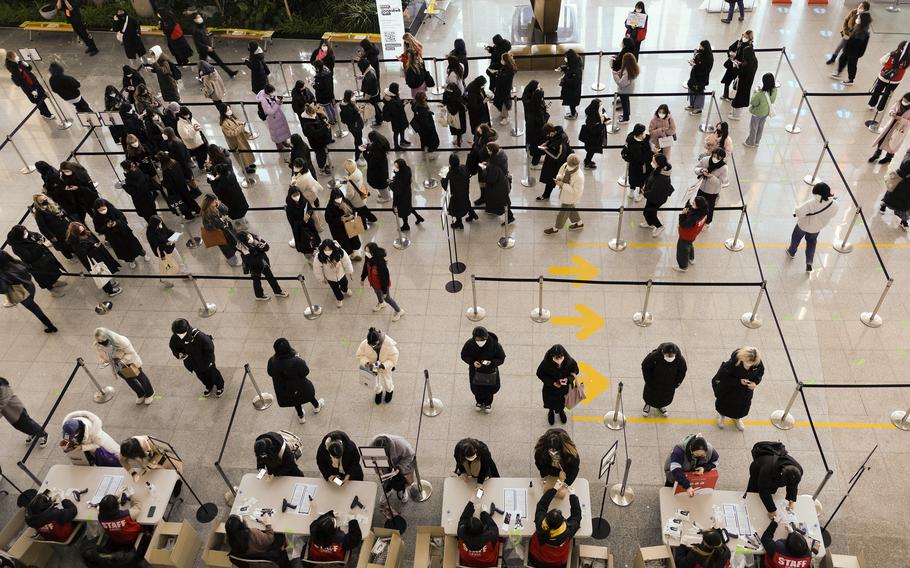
column 748, row 33
column 350, row 166
column 629, row 65
column 509, row 61
column 103, row 333
column 747, row 355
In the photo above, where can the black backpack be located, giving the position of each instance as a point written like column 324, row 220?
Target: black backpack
column 176, row 73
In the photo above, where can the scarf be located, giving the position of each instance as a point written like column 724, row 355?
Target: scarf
column 553, row 533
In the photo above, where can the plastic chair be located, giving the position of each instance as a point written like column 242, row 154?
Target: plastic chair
column 240, row 562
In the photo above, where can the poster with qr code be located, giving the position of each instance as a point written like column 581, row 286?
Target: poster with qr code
column 391, row 27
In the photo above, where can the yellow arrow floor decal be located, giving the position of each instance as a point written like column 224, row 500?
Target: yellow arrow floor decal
column 589, row 321
column 595, row 383
column 583, row 270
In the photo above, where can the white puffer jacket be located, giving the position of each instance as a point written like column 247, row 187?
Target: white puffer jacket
column 93, row 439
column 334, row 271
column 191, row 137
column 813, row 215
column 570, row 193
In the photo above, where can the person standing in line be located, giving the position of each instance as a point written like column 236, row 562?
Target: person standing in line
column 356, row 191
column 371, row 91
column 637, row 154
column 79, row 188
column 847, row 29
column 350, row 116
column 734, row 62
column 536, row 118
column 402, row 182
column 173, row 33
column 734, row 384
column 300, row 150
column 111, row 223
column 593, row 132
column 484, row 355
column 558, row 373
column 733, row 4
column 196, row 350
column 691, row 222
column 460, row 53
column 378, row 354
column 317, row 131
column 625, row 76
column 324, row 54
column 657, row 190
column 67, row 88
column 130, row 81
column 190, row 132
column 116, row 351
column 253, row 252
column 376, row 154
column 415, row 73
column 237, row 137
column 455, row 72
column 376, row 271
column 894, row 65
column 338, row 457
column 303, row 180
column 457, row 182
column 204, row 46
column 290, row 379
column 333, row 266
column 898, row 200
column 393, row 112
column 497, row 49
column 855, row 48
column 214, row 221
column 423, row 123
column 12, row 409
column 227, row 189
column 894, row 131
column 477, row 101
column 760, row 107
column 720, row 138
column 502, row 93
column 304, row 233
column 22, row 76
column 370, row 53
column 699, row 76
column 403, row 462
column 496, row 174
column 692, row 455
column 663, row 370
column 259, row 71
column 811, row 217
column 175, row 186
column 479, row 155
column 270, row 104
column 556, row 457
column 71, row 9
column 91, row 252
column 164, row 70
column 338, row 211
column 53, row 223
column 453, row 101
column 556, row 150
column 162, row 241
column 324, row 90
column 473, row 460
column 571, row 182
column 662, row 131
column 212, row 83
column 712, row 176
column 34, row 253
column 570, row 83
column 130, row 36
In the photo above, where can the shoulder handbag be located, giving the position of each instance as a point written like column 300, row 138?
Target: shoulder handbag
column 362, row 190
column 665, row 142
column 212, row 237
column 16, row 293
column 485, row 379
column 576, row 394
column 100, row 269
column 771, row 111
column 353, row 226
column 442, row 118
column 130, row 371
column 891, row 180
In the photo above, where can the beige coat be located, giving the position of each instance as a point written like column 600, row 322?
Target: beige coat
column 213, row 86
column 354, row 196
column 120, row 349
column 191, row 137
column 236, row 136
column 570, row 193
column 154, row 458
column 894, row 131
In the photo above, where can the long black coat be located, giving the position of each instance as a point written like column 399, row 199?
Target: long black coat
column 700, row 74
column 259, row 72
column 377, row 167
column 570, row 85
column 53, row 227
column 661, row 378
column 455, row 106
column 393, row 112
column 638, row 155
column 116, row 230
column 227, row 189
column 568, row 464
column 40, row 261
column 554, row 398
column 425, row 127
column 493, row 352
column 132, row 40
column 898, row 199
column 82, row 192
column 198, row 348
column 498, row 184
column 324, row 87
column 478, row 108
column 732, row 71
column 334, row 218
column 558, row 146
column 402, row 192
column 458, row 183
column 141, row 190
column 90, row 248
column 306, row 236
column 289, row 379
column 733, row 399
column 350, row 458
column 747, row 73
column 765, row 478
column 593, row 132
column 535, row 116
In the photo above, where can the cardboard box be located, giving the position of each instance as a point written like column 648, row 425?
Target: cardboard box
column 589, row 552
column 395, row 555
column 841, row 561
column 216, row 549
column 425, row 554
column 174, row 545
column 648, row 553
column 31, row 552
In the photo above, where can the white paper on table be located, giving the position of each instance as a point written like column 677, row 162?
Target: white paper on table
column 516, row 502
column 303, row 496
column 786, row 516
column 108, row 486
column 173, row 238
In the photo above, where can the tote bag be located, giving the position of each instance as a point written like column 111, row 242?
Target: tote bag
column 576, row 395
column 353, row 226
column 17, row 293
column 169, row 264
column 212, row 237
column 99, row 269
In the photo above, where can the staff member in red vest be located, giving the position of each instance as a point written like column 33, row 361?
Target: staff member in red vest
column 478, row 539
column 120, row 524
column 330, row 543
column 790, row 552
column 53, row 521
column 551, row 544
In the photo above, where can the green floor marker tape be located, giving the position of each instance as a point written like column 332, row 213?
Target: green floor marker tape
column 345, row 342
column 156, row 397
column 901, row 352
column 860, row 362
column 809, row 381
column 836, row 318
column 789, row 318
column 360, row 291
column 232, row 290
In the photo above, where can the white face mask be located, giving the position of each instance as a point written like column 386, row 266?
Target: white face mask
column 714, row 159
column 480, row 342
column 228, row 112
column 327, row 252
column 905, row 102
column 297, row 170
column 16, row 59
column 558, row 360
column 338, row 200
column 745, row 38
column 66, row 172
column 181, row 335
column 553, row 453
column 638, row 10
column 395, row 170
column 324, row 48
column 134, row 144
column 640, row 137
column 250, row 240
column 471, row 458
column 198, row 19
column 662, row 115
column 669, row 358
column 368, row 254
column 164, row 137
column 295, row 197
column 748, row 365
column 102, row 211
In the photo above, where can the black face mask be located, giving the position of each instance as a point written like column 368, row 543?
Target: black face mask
column 106, row 342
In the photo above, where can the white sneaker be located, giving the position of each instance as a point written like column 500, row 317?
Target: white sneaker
column 720, row 421
column 691, row 261
column 302, row 418
column 657, row 231
column 638, row 196
column 398, row 315
column 646, row 410
column 664, row 412
column 739, row 424
column 339, row 303
column 321, row 402
column 403, row 496
column 140, row 401
column 132, row 264
column 379, row 306
column 147, row 258
column 292, row 243
column 148, row 400
column 348, row 293
column 645, row 225
column 678, row 269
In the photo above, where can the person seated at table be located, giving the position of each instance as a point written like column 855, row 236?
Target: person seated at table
column 120, row 525
column 790, row 552
column 478, row 539
column 328, row 542
column 772, row 468
column 474, row 461
column 85, row 443
column 711, row 552
column 275, row 456
column 402, row 458
column 255, row 544
column 693, row 455
column 555, row 455
column 551, row 543
column 339, row 457
column 53, row 520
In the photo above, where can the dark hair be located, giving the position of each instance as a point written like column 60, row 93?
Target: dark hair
column 335, row 194
column 459, row 47
column 363, row 65
column 554, row 519
column 336, row 254
column 662, row 107
column 906, row 96
column 697, row 442
column 283, row 347
column 713, row 538
column 454, row 160
column 790, row 474
column 865, row 20
column 348, row 95
column 238, row 534
column 467, row 447
column 705, row 45
column 335, row 448
column 901, row 51
column 474, row 526
column 662, row 162
column 322, row 530
column 377, row 253
column 108, row 504
column 639, row 129
column 557, row 351
column 700, row 202
column 723, row 132
column 796, row 543
column 480, row 332
column 720, row 153
column 823, row 190
column 132, row 449
column 668, row 348
column 640, row 5
column 767, row 82
column 41, row 502
column 180, row 326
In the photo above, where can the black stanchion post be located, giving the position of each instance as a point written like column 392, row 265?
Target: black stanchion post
column 431, row 406
column 506, row 241
column 600, row 525
column 10, row 481
column 206, row 511
column 826, row 536
column 452, row 286
column 232, row 489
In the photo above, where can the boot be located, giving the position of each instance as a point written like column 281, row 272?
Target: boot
column 388, row 396
column 875, row 155
column 551, row 418
column 458, row 224
column 419, row 218
column 562, row 416
column 378, row 398
column 887, row 158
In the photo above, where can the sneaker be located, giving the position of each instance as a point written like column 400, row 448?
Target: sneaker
column 638, row 196
column 550, row 231
column 623, row 121
column 576, row 226
column 28, row 439
column 49, row 118
column 140, row 400
column 679, row 269
column 116, row 292
column 263, row 298
column 689, row 107
column 645, row 225
column 318, row 409
column 875, row 155
column 739, row 424
column 646, row 410
column 808, row 267
column 903, row 226
column 301, row 419
column 348, row 293
column 657, row 231
column 147, row 258
column 281, row 294
column 831, row 60
column 219, row 393
column 792, row 255
column 403, row 496
column 148, row 400
column 886, row 159
column 663, row 411
column 720, row 421
column 695, row 112
column 536, row 166
column 488, row 408
column 207, row 393
column 478, row 407
column 724, row 21
column 591, row 166
column 541, row 198
column 691, row 261
column 398, row 315
column 379, row 306
column 847, row 83
column 292, row 243
column 339, row 303
column 43, row 441
column 881, row 209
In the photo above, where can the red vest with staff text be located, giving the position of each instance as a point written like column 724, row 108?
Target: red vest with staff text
column 550, row 554
column 122, row 530
column 483, row 558
column 56, row 532
column 778, row 560
column 326, row 553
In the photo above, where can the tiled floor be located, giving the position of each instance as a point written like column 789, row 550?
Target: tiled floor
column 818, row 315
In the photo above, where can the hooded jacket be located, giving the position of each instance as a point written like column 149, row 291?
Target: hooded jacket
column 681, row 461
column 93, row 438
column 347, row 464
column 480, row 550
column 661, row 378
column 765, row 477
column 198, row 348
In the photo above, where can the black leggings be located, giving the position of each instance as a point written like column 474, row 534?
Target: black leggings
column 269, row 277
column 880, row 93
column 650, row 214
column 848, row 61
column 299, row 407
column 711, row 198
column 322, row 157
column 200, row 154
column 26, row 425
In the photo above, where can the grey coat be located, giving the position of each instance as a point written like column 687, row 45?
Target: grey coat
column 401, row 453
column 10, row 406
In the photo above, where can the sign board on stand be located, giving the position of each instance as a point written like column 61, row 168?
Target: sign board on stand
column 391, row 27
column 29, row 54
column 88, row 119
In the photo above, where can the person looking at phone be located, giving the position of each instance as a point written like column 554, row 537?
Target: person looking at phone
column 734, row 383
column 338, row 458
column 478, row 539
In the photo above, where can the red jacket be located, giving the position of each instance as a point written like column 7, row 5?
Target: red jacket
column 121, row 528
column 691, row 223
column 781, row 560
column 889, row 67
column 327, row 554
column 486, row 557
column 549, row 555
